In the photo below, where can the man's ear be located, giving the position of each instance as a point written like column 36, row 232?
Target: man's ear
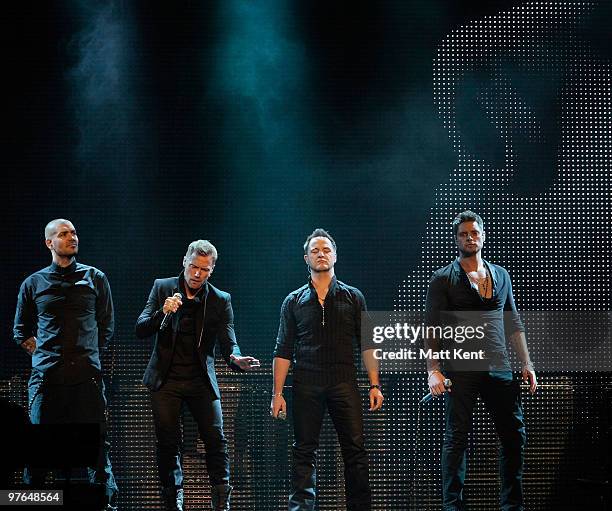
column 49, row 244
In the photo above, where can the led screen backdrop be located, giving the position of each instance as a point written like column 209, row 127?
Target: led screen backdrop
column 150, row 125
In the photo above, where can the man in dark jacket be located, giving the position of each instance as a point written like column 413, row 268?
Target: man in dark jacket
column 186, row 316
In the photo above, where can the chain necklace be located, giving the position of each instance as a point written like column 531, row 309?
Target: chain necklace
column 322, row 302
column 484, row 282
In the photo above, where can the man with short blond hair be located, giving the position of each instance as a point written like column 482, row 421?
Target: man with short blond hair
column 202, row 248
column 187, row 316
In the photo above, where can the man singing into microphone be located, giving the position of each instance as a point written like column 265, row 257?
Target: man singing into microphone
column 186, row 315
column 469, row 285
column 318, row 324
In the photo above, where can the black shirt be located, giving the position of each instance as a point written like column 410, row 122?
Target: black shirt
column 185, row 363
column 70, row 312
column 319, row 339
column 450, row 291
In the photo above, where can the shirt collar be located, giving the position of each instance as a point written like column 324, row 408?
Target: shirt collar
column 64, row 270
column 332, row 286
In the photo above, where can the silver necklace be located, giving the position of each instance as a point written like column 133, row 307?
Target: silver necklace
column 484, row 282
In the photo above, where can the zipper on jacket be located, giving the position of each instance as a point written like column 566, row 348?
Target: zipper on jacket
column 203, row 318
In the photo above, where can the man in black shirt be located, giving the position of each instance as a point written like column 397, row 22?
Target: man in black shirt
column 318, row 324
column 473, row 288
column 64, row 317
column 186, row 315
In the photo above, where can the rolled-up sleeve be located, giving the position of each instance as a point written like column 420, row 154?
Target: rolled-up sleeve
column 512, row 320
column 437, row 299
column 285, row 340
column 363, row 322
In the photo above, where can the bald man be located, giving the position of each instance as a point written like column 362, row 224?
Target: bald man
column 64, row 317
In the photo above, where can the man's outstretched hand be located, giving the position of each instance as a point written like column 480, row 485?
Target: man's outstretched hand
column 245, row 363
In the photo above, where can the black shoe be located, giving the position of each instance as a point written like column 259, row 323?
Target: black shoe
column 221, row 497
column 111, row 502
column 173, row 498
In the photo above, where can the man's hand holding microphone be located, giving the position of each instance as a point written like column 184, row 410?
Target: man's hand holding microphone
column 438, row 383
column 171, row 305
column 278, row 406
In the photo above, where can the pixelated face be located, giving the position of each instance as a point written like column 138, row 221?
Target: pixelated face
column 527, row 101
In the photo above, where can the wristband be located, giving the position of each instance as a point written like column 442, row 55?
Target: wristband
column 374, row 387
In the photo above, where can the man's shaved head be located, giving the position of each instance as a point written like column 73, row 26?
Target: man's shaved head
column 51, row 227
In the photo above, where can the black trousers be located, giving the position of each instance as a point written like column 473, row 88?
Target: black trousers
column 501, row 396
column 344, row 404
column 167, row 405
column 81, row 403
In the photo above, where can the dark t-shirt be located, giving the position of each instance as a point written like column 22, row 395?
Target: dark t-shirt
column 185, row 363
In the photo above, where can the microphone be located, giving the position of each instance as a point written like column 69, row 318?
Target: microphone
column 427, row 398
column 166, row 319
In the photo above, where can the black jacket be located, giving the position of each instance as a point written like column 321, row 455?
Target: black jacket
column 218, row 323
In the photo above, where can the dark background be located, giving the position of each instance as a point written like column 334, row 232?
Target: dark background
column 151, row 124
